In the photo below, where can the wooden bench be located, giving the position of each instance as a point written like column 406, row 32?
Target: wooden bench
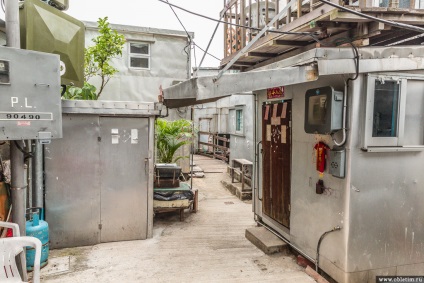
column 241, row 166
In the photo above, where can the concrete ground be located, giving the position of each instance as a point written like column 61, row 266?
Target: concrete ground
column 209, row 246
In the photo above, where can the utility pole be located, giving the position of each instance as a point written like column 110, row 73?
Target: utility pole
column 16, row 156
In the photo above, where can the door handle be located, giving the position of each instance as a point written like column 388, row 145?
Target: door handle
column 146, row 162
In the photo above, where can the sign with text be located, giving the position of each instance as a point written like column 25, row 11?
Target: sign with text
column 275, row 92
column 30, row 102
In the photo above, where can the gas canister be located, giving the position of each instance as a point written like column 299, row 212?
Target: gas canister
column 39, row 229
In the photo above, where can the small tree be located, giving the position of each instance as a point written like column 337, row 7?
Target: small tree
column 108, row 45
column 170, row 136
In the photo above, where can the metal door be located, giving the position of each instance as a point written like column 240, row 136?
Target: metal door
column 276, row 161
column 72, row 167
column 124, row 175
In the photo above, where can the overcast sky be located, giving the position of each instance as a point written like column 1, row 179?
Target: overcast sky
column 152, row 13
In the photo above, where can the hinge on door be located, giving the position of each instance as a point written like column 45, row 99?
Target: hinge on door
column 289, row 207
column 100, row 226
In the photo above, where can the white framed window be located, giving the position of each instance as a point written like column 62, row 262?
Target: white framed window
column 239, row 121
column 139, row 55
column 393, row 113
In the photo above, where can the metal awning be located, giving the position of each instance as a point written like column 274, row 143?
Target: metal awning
column 204, row 89
column 302, row 68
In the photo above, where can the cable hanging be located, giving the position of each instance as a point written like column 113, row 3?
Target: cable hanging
column 312, row 35
column 191, row 41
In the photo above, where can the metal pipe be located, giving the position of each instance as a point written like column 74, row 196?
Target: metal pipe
column 12, row 23
column 18, row 197
column 29, row 176
column 337, row 228
column 37, row 175
column 257, row 168
column 344, row 118
column 16, row 156
column 191, row 163
column 284, row 240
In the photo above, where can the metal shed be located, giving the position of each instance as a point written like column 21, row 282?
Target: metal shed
column 99, row 177
column 375, row 202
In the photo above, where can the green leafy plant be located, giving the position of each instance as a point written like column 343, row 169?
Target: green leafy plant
column 87, row 92
column 108, row 45
column 170, row 136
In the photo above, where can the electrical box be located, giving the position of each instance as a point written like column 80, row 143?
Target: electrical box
column 30, row 101
column 46, row 29
column 337, row 161
column 323, row 110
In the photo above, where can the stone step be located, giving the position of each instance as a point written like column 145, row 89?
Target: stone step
column 266, row 241
column 235, row 189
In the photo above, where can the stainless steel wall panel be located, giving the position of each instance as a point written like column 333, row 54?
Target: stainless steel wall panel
column 73, row 183
column 124, row 152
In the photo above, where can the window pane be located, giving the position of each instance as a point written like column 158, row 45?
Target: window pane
column 136, row 62
column 317, row 109
column 139, row 48
column 386, row 98
column 239, row 120
column 414, row 116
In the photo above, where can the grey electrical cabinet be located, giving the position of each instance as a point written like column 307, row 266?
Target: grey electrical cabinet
column 99, row 176
column 30, row 102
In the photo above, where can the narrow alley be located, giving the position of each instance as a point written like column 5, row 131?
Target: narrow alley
column 208, row 246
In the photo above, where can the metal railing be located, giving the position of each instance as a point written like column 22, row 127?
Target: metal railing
column 251, row 16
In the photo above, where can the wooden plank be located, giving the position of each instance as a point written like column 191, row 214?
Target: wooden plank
column 261, row 54
column 299, row 8
column 244, row 63
column 229, row 5
column 289, row 42
column 222, row 139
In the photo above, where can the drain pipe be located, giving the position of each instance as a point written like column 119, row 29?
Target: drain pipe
column 337, row 228
column 256, row 188
column 344, row 118
column 285, row 240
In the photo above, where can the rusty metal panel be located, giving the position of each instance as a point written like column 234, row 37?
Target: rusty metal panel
column 276, row 141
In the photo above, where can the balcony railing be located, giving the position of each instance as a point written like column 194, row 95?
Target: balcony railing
column 244, row 18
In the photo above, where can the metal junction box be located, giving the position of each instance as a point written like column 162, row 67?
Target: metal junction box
column 30, row 102
column 337, row 162
column 323, row 110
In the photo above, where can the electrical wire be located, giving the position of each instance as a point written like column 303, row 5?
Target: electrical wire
column 191, row 41
column 27, row 154
column 170, row 5
column 312, row 35
column 194, row 55
column 390, row 23
column 213, row 56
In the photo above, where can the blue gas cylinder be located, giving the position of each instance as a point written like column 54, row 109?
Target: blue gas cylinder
column 39, row 229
